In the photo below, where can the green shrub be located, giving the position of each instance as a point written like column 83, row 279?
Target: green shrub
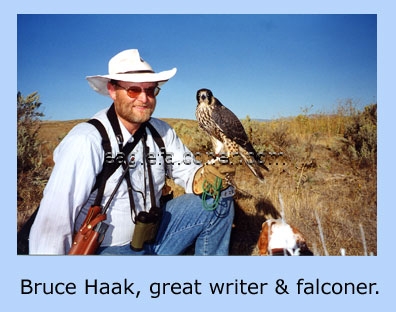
column 361, row 137
column 31, row 173
column 28, row 124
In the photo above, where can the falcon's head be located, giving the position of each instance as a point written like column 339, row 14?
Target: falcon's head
column 204, row 96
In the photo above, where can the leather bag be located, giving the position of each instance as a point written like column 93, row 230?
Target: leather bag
column 91, row 234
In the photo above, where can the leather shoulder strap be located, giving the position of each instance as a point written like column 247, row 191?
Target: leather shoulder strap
column 102, row 177
column 109, row 165
column 105, row 138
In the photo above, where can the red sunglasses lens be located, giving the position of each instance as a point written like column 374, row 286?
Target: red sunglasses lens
column 134, row 92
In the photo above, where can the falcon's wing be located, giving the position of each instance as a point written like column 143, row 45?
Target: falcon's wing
column 228, row 123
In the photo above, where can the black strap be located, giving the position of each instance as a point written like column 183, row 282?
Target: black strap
column 105, row 138
column 140, row 133
column 127, row 149
column 110, row 165
column 107, row 171
column 112, row 116
column 150, row 174
column 102, row 177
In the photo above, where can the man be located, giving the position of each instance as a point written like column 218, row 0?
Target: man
column 186, row 220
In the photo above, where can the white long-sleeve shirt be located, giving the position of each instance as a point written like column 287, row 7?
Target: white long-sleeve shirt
column 78, row 160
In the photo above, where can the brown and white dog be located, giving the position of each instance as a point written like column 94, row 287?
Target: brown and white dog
column 277, row 238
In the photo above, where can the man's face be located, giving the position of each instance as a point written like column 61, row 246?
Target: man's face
column 135, row 106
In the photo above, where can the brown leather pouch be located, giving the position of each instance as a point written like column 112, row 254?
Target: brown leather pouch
column 91, row 234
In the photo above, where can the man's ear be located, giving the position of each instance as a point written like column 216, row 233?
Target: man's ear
column 111, row 89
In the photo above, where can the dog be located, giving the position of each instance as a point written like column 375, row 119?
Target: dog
column 277, row 238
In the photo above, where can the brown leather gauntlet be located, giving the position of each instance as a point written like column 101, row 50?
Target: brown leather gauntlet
column 213, row 175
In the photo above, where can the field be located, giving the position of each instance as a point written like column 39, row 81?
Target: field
column 322, row 178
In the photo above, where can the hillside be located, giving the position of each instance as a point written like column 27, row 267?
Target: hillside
column 320, row 180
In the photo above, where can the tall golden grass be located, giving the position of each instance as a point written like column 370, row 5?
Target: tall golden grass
column 321, row 179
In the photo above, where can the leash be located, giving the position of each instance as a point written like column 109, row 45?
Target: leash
column 210, row 190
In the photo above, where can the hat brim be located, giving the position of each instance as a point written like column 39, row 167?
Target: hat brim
column 99, row 83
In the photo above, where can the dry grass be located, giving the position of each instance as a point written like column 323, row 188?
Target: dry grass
column 313, row 180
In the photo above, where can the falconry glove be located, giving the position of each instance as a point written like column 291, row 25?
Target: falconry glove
column 213, row 178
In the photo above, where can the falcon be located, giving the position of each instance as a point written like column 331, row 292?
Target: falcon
column 226, row 131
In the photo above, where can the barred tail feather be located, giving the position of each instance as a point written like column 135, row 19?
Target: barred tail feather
column 253, row 165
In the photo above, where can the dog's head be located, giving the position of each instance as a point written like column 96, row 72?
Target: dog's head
column 277, row 238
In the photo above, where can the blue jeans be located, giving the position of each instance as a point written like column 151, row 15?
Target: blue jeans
column 185, row 223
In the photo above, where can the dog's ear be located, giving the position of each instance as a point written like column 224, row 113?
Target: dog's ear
column 301, row 243
column 263, row 240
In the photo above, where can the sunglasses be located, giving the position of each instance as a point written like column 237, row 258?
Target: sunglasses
column 134, row 91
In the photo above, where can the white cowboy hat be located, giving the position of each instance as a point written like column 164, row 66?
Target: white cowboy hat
column 129, row 66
